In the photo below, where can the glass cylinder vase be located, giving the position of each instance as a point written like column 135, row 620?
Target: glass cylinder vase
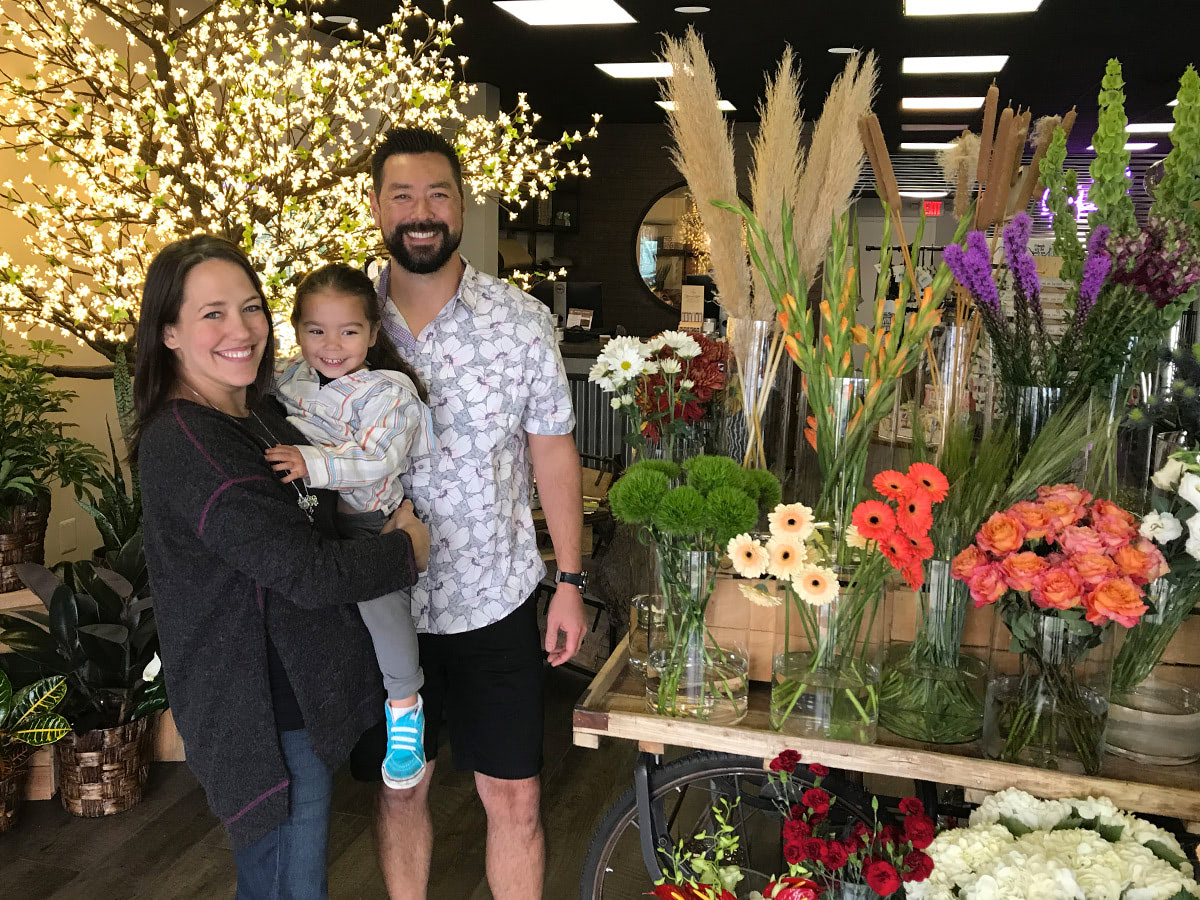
column 1143, row 645
column 758, row 423
column 1033, row 405
column 1047, row 705
column 688, row 673
column 932, row 690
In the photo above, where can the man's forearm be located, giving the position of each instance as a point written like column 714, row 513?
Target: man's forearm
column 556, row 468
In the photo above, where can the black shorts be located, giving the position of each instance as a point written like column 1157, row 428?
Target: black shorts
column 488, row 686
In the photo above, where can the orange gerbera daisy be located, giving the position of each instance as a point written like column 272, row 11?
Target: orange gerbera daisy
column 898, row 550
column 874, row 520
column 930, row 479
column 894, row 485
column 922, row 546
column 914, row 515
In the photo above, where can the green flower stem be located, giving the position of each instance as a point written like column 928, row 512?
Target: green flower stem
column 1148, row 639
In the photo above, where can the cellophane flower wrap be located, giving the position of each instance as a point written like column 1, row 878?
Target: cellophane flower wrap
column 1018, row 847
column 1061, row 569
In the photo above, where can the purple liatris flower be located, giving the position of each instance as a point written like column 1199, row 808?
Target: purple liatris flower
column 1021, row 264
column 1095, row 270
column 973, row 269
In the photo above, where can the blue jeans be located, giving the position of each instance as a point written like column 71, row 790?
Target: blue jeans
column 290, row 862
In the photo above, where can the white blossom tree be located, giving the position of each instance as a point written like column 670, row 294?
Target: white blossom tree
column 237, row 118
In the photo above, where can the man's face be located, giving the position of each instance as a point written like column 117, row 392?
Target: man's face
column 419, row 211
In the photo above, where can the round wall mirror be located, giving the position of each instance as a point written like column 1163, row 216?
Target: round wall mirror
column 671, row 246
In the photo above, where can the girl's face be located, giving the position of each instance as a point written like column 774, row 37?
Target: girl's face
column 222, row 330
column 334, row 333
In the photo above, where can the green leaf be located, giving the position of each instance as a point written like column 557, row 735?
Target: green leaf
column 1015, row 828
column 38, row 579
column 5, row 697
column 115, row 634
column 1111, row 833
column 1166, row 854
column 43, row 730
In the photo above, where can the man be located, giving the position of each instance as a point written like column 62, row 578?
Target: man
column 500, row 401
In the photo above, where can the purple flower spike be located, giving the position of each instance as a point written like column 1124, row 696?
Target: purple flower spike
column 1020, row 260
column 973, row 269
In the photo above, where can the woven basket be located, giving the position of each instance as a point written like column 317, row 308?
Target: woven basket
column 102, row 772
column 12, row 789
column 22, row 539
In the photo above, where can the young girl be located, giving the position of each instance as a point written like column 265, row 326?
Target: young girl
column 363, row 408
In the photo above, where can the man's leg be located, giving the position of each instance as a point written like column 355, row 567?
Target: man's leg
column 404, row 831
column 516, row 847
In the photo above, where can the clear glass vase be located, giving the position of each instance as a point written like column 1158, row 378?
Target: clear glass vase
column 1047, row 706
column 758, row 424
column 1143, row 645
column 932, row 690
column 688, row 674
column 647, row 621
column 684, row 443
column 1033, row 405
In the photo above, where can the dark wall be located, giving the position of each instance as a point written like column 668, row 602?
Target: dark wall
column 631, row 166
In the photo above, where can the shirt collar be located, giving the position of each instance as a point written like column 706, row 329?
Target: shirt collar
column 466, row 292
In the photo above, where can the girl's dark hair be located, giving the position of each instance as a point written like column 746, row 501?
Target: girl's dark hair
column 156, row 370
column 347, row 280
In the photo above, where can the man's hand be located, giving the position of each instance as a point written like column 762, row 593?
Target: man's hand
column 288, row 460
column 566, row 616
column 404, row 519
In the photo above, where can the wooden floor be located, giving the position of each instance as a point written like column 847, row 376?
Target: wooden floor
column 171, row 846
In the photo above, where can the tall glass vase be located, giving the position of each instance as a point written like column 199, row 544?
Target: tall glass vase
column 756, row 429
column 689, row 674
column 1033, row 405
column 1047, row 706
column 932, row 690
column 1171, row 602
column 946, row 369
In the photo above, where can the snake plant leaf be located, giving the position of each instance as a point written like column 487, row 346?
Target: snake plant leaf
column 38, row 699
column 42, row 730
column 5, row 697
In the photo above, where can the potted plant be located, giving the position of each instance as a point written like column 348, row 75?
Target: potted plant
column 34, row 452
column 101, row 635
column 27, row 721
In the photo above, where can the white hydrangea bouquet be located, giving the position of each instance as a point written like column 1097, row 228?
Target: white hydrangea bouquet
column 1018, row 847
column 1174, row 524
column 664, row 385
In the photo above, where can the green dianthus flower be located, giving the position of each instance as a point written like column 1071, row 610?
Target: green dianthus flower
column 764, row 487
column 730, row 512
column 636, row 495
column 705, row 473
column 682, row 512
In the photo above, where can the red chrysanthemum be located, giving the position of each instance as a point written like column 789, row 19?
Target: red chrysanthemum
column 929, row 478
column 894, row 485
column 874, row 520
column 914, row 515
column 881, row 877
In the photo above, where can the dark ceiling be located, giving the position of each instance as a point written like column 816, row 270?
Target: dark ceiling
column 1057, row 55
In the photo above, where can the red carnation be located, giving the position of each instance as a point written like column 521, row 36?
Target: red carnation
column 787, row 761
column 796, row 811
column 813, row 848
column 817, row 800
column 917, row 866
column 836, row 855
column 911, row 806
column 890, row 835
column 919, row 830
column 881, row 877
column 818, row 770
column 796, row 830
column 793, row 852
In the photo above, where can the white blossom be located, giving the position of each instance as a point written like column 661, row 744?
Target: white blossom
column 1161, row 527
column 1166, row 478
column 152, row 669
column 1189, row 489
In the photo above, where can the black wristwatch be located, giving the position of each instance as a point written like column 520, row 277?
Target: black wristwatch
column 579, row 579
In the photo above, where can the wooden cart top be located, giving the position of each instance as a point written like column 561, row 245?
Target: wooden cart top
column 614, row 706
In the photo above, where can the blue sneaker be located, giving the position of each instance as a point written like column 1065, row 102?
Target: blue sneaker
column 404, row 765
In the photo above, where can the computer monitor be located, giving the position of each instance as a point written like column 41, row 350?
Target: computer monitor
column 580, row 295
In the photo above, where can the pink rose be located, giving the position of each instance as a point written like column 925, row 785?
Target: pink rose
column 1038, row 521
column 1114, row 532
column 987, row 584
column 1106, row 509
column 1061, row 513
column 1076, row 539
column 1068, row 493
column 1158, row 563
column 1059, row 587
column 1022, row 570
column 1093, row 568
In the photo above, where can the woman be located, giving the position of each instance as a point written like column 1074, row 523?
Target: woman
column 271, row 673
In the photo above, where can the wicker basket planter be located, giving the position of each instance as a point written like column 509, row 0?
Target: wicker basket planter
column 22, row 539
column 102, row 772
column 12, row 789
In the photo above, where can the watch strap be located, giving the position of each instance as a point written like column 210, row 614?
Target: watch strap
column 579, row 579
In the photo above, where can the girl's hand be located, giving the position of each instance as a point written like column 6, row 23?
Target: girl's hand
column 403, row 519
column 288, row 460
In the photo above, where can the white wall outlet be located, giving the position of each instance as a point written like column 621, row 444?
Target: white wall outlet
column 67, row 538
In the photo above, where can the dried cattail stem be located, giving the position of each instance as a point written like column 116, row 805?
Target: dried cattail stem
column 1033, row 175
column 987, row 135
column 1014, row 168
column 961, row 191
column 994, row 195
column 1068, row 121
column 881, row 163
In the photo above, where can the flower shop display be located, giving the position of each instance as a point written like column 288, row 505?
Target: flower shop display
column 1018, row 847
column 690, row 523
column 1061, row 569
column 665, row 386
column 27, row 721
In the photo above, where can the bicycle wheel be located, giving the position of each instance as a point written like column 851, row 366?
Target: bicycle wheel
column 687, row 789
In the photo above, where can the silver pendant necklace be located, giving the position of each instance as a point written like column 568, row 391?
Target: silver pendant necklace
column 307, row 502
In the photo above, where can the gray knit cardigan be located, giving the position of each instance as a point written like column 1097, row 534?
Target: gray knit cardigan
column 232, row 558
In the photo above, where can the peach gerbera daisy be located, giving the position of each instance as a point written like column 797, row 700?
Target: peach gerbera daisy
column 816, row 585
column 787, row 556
column 748, row 556
column 793, row 519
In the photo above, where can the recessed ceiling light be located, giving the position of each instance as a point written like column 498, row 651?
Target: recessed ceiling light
column 691, row 9
column 1133, row 145
column 912, row 126
column 723, row 105
column 968, row 7
column 926, row 145
column 946, row 65
column 636, row 70
column 924, row 195
column 1150, row 128
column 843, row 49
column 941, row 102
column 566, row 12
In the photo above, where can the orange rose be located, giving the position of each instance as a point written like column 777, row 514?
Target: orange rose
column 1036, row 519
column 987, row 585
column 1093, row 568
column 1158, row 562
column 1001, row 534
column 1116, row 600
column 967, row 562
column 1106, row 509
column 1061, row 513
column 1059, row 587
column 1021, row 570
column 1068, row 493
column 1076, row 539
column 1133, row 563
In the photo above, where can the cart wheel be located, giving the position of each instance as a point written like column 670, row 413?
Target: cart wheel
column 686, row 789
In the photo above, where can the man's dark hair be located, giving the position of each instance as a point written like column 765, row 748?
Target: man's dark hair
column 409, row 141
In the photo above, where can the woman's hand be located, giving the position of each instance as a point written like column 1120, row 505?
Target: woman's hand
column 403, row 519
column 289, row 461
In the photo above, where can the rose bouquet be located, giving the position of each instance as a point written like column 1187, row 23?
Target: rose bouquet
column 1020, row 848
column 1061, row 569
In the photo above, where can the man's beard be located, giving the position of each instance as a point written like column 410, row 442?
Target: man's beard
column 422, row 260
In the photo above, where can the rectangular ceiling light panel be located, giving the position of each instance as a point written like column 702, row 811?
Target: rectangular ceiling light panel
column 723, row 105
column 952, row 65
column 567, row 12
column 941, row 103
column 925, row 145
column 968, row 7
column 636, row 70
column 1132, row 145
column 1150, row 128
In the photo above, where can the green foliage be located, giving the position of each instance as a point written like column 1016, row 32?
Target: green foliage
column 28, row 720
column 764, row 487
column 1110, row 184
column 34, row 451
column 116, row 510
column 711, row 857
column 100, row 634
column 637, row 494
column 1178, row 192
column 1062, row 184
column 682, row 513
column 705, row 473
column 730, row 512
column 668, row 468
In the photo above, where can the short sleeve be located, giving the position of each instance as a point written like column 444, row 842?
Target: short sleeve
column 549, row 409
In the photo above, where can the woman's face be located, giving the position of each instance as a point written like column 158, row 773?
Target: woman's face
column 222, row 330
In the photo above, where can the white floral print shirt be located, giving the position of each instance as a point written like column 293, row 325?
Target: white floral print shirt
column 494, row 373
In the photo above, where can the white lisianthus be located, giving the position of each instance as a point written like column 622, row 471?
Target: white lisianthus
column 627, row 400
column 669, row 366
column 1192, row 548
column 615, row 402
column 1193, row 525
column 1189, row 489
column 1161, row 527
column 1166, row 478
column 152, row 669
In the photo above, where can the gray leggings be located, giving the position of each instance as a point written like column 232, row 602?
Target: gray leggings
column 388, row 618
